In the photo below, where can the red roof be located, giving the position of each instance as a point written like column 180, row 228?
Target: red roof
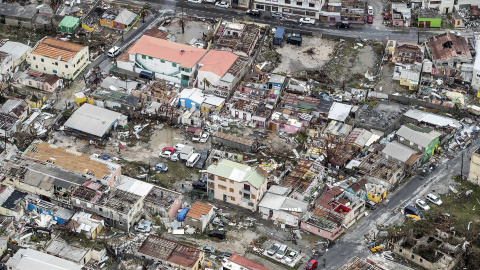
column 217, row 62
column 186, row 56
column 246, row 263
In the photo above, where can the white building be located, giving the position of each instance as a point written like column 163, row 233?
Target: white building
column 213, row 69
column 444, row 6
column 276, row 206
column 25, row 259
column 306, row 8
column 476, row 68
column 6, row 65
column 19, row 51
column 171, row 61
column 54, row 56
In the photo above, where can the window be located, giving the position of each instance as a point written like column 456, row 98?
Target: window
column 30, row 82
column 174, row 65
column 413, row 256
column 187, row 70
column 232, row 199
column 163, row 61
column 262, row 7
column 299, row 3
column 56, row 63
column 231, row 190
column 287, row 1
column 222, row 179
column 42, row 60
column 66, row 66
column 253, row 197
column 222, row 187
column 100, row 209
column 44, row 69
column 312, row 5
column 144, row 57
column 275, row 9
column 231, row 181
column 151, row 58
column 400, row 250
column 421, row 260
column 36, row 66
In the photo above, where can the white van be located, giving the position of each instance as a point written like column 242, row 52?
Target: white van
column 114, row 51
column 370, row 10
column 193, row 159
column 281, row 252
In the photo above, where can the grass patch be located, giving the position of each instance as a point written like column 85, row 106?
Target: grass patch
column 177, row 171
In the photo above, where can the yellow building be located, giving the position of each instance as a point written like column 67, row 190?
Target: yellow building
column 53, row 56
column 79, row 98
column 212, row 103
column 474, row 174
column 376, row 193
column 36, row 102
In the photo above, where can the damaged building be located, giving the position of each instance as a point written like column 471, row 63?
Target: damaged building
column 163, row 202
column 381, row 171
column 449, row 50
column 386, row 117
column 240, row 39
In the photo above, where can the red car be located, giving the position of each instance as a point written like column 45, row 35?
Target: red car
column 370, row 19
column 312, row 264
column 171, row 149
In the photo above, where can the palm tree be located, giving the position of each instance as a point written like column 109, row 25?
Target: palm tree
column 144, row 10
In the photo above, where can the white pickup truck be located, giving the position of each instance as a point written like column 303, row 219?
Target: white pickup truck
column 307, row 21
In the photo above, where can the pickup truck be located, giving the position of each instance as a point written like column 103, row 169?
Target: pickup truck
column 307, row 21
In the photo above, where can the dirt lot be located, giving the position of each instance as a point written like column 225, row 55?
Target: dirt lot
column 313, row 53
column 193, row 29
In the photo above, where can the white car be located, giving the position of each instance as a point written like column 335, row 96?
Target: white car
column 195, row 1
column 178, row 147
column 422, row 205
column 222, row 4
column 175, row 157
column 204, row 138
column 291, row 256
column 307, row 21
column 434, row 199
column 210, row 1
column 166, row 154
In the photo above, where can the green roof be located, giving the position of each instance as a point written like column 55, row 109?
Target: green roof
column 237, row 172
column 69, row 22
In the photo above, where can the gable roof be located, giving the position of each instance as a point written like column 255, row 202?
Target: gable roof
column 186, row 56
column 449, row 45
column 398, row 151
column 55, row 48
column 92, row 119
column 409, row 132
column 16, row 49
column 198, row 209
column 217, row 62
column 249, row 265
column 125, row 17
column 237, row 172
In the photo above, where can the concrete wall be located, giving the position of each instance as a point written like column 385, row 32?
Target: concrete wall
column 474, row 174
column 68, row 69
column 412, row 101
column 292, row 7
column 280, row 216
column 330, row 235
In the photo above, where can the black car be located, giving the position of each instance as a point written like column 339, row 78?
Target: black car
column 224, row 255
column 343, row 24
column 410, row 210
column 203, row 159
column 370, row 204
column 254, row 12
column 217, row 234
column 199, row 185
column 294, row 39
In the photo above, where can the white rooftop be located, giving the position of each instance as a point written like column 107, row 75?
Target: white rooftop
column 92, row 119
column 214, row 100
column 433, row 119
column 28, row 259
column 134, row 186
column 398, row 151
column 339, row 111
column 194, row 94
column 476, row 65
column 16, row 49
column 421, row 138
column 279, row 202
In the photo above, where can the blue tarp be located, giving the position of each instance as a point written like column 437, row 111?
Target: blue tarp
column 278, row 38
column 182, row 214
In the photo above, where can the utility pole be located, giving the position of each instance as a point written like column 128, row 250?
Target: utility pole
column 461, row 167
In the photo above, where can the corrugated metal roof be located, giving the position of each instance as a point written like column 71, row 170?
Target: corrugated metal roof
column 237, row 172
column 339, row 111
column 417, row 137
column 125, row 17
column 92, row 120
column 398, row 151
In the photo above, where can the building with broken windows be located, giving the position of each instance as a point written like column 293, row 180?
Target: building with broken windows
column 353, row 11
column 304, row 178
column 240, row 39
column 277, row 206
column 121, row 209
column 304, row 8
column 381, row 171
column 163, row 202
column 449, row 50
column 167, row 252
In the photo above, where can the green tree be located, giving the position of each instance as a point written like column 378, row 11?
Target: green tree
column 144, row 11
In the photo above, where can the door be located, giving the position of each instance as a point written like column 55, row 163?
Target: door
column 428, row 24
column 268, row 8
column 224, row 197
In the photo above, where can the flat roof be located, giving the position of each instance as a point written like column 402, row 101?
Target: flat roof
column 69, row 160
column 16, row 49
column 69, row 21
column 92, row 120
column 162, row 196
column 24, row 259
column 62, row 249
column 125, row 17
column 339, row 111
column 134, row 186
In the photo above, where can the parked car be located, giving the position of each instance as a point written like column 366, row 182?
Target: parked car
column 370, row 19
column 192, row 160
column 294, row 39
column 207, row 249
column 204, row 137
column 144, row 226
column 199, row 185
column 104, row 157
column 312, row 264
column 281, row 252
column 410, row 210
column 291, row 256
column 224, row 255
column 195, row 1
column 222, row 4
column 386, row 16
column 161, row 167
column 218, row 222
column 197, row 135
column 114, row 51
column 116, row 159
column 273, row 249
column 344, row 24
column 220, row 234
column 167, row 153
column 254, row 12
column 422, row 205
column 277, row 15
column 210, row 1
column 370, row 204
column 434, row 199
column 175, row 156
column 307, row 21
column 178, row 147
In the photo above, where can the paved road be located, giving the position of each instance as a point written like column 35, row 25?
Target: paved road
column 375, row 31
column 353, row 242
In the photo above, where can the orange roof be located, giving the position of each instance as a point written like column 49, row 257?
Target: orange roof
column 53, row 48
column 246, row 263
column 218, row 62
column 198, row 209
column 186, row 56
